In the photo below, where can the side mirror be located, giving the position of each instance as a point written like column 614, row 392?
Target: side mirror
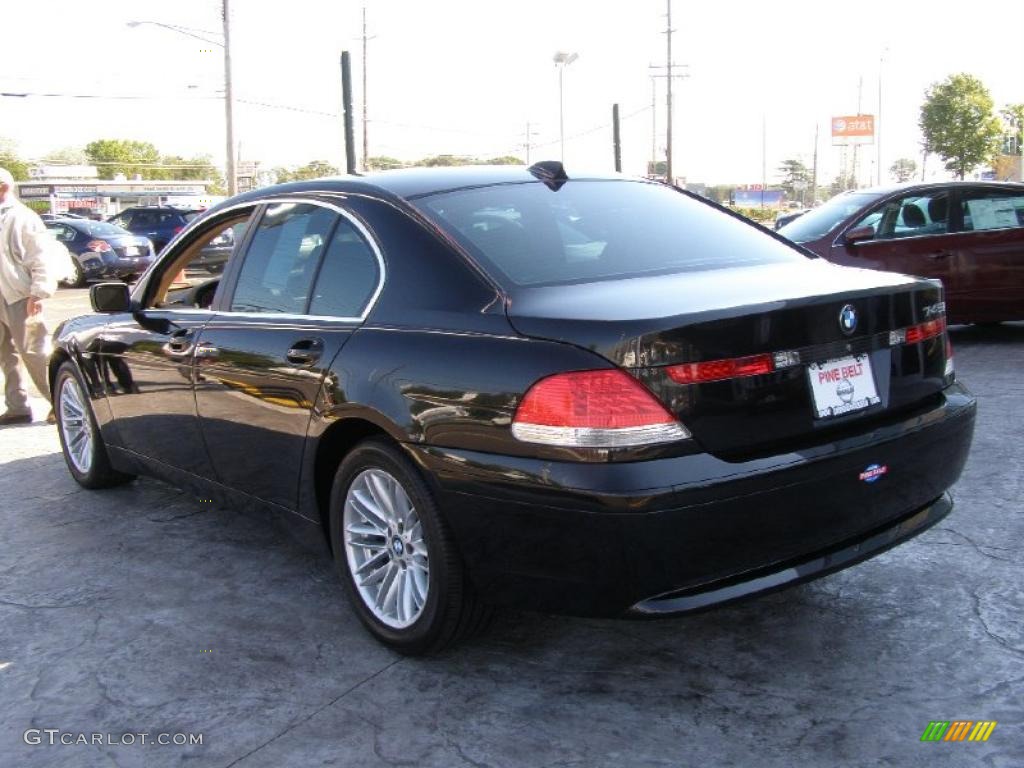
column 858, row 234
column 110, row 297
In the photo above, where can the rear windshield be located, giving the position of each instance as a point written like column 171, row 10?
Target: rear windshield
column 822, row 220
column 100, row 228
column 528, row 234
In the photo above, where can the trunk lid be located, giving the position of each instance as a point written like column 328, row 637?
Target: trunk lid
column 788, row 312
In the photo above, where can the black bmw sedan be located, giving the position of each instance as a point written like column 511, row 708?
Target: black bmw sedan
column 516, row 386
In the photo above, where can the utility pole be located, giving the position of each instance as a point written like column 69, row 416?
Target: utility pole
column 668, row 99
column 878, row 121
column 860, row 93
column 764, row 156
column 669, row 76
column 814, row 172
column 366, row 140
column 346, row 106
column 229, row 101
column 616, row 142
column 529, row 140
column 654, row 125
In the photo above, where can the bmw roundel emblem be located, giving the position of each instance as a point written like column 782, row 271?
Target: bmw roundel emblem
column 848, row 319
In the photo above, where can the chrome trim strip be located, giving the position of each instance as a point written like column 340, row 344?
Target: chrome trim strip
column 358, row 225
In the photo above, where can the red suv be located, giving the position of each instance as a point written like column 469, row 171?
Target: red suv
column 969, row 234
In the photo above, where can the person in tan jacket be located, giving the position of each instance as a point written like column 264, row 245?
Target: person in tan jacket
column 30, row 259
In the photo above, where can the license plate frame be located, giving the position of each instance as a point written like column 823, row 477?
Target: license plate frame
column 842, row 386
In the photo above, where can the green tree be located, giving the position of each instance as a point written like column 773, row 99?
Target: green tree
column 66, row 156
column 315, row 169
column 114, row 156
column 383, row 163
column 503, row 160
column 903, row 169
column 958, row 123
column 10, row 160
column 795, row 177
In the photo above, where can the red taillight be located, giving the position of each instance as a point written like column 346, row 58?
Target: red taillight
column 594, row 409
column 717, row 370
column 178, row 229
column 98, row 246
column 925, row 331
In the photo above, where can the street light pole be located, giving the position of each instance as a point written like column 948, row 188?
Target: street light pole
column 229, row 101
column 562, row 60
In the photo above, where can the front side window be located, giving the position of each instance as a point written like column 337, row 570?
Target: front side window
column 528, row 234
column 825, row 218
column 915, row 215
column 992, row 209
column 348, row 276
column 280, row 263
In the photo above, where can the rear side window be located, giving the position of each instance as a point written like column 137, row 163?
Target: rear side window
column 281, row 261
column 992, row 209
column 348, row 276
column 528, row 234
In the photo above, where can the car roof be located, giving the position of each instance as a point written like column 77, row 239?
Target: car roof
column 410, row 183
column 924, row 186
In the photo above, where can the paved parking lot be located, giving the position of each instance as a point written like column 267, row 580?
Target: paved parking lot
column 143, row 610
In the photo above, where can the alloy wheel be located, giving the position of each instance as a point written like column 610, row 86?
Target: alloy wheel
column 75, row 425
column 386, row 551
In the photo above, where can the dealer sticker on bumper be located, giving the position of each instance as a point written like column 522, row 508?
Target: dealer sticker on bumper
column 842, row 386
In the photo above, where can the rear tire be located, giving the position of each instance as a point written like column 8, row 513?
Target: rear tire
column 395, row 555
column 85, row 453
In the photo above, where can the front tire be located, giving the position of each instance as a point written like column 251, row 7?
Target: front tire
column 85, row 453
column 77, row 279
column 395, row 555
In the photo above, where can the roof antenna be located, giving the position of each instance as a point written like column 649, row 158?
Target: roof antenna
column 551, row 172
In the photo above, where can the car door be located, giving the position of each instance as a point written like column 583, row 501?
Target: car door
column 911, row 235
column 147, row 359
column 990, row 280
column 309, row 273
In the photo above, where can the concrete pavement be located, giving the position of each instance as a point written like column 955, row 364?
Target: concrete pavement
column 142, row 609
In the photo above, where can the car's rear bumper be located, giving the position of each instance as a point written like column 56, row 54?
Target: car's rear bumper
column 679, row 534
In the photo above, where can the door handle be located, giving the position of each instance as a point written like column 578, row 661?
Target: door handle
column 178, row 348
column 939, row 255
column 305, row 352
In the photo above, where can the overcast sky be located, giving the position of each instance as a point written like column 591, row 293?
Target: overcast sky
column 465, row 77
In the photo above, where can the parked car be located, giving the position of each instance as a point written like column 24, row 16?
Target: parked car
column 968, row 234
column 101, row 250
column 482, row 387
column 783, row 218
column 55, row 216
column 159, row 224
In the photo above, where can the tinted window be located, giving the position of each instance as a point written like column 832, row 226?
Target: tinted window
column 122, row 220
column 588, row 230
column 915, row 215
column 144, row 219
column 823, row 219
column 992, row 209
column 281, row 261
column 348, row 276
column 100, row 228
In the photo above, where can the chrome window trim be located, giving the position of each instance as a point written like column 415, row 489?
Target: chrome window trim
column 358, row 225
